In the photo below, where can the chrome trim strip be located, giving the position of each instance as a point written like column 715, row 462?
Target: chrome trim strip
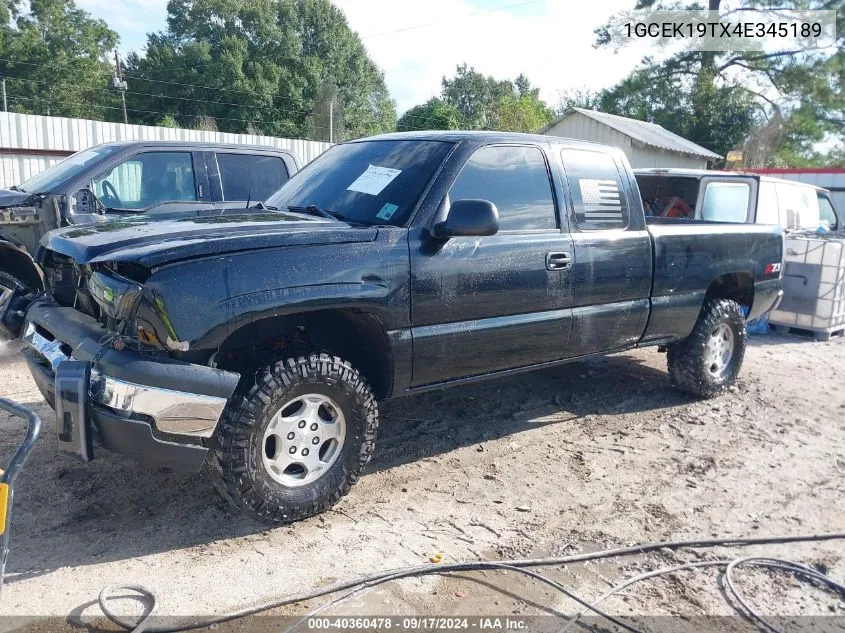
column 176, row 412
column 173, row 411
column 50, row 350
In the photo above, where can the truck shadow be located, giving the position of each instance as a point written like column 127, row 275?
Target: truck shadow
column 436, row 422
column 69, row 514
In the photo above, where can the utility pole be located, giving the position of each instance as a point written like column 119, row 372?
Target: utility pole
column 3, row 84
column 331, row 119
column 118, row 83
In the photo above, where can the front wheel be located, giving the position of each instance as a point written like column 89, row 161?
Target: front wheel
column 708, row 361
column 297, row 441
column 8, row 286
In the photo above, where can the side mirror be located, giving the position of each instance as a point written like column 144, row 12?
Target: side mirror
column 84, row 202
column 467, row 218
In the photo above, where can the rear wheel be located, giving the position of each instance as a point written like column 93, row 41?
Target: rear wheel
column 297, row 441
column 708, row 361
column 8, row 285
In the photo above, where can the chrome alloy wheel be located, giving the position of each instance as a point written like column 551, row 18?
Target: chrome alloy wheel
column 719, row 349
column 303, row 440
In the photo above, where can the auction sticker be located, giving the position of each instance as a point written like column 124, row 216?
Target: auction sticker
column 374, row 180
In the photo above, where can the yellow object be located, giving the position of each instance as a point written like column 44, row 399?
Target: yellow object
column 4, row 504
column 437, row 558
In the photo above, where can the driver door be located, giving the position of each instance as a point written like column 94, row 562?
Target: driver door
column 504, row 301
column 148, row 180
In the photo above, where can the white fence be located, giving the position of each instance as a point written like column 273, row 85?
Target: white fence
column 30, row 143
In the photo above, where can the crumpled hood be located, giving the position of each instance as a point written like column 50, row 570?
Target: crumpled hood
column 151, row 242
column 9, row 198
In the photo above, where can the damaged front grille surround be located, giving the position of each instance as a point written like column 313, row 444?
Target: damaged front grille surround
column 173, row 412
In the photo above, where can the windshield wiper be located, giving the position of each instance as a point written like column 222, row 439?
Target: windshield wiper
column 315, row 210
column 16, row 188
column 264, row 207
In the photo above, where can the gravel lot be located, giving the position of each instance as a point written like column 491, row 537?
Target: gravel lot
column 580, row 457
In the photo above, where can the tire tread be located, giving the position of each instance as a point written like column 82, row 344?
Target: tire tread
column 228, row 463
column 684, row 358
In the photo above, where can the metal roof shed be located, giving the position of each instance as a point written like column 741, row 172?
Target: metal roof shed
column 645, row 144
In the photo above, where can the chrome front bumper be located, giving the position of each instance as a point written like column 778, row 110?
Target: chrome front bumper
column 171, row 411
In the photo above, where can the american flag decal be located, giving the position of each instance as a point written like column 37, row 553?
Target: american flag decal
column 601, row 200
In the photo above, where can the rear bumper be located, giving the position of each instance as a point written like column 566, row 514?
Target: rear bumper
column 155, row 410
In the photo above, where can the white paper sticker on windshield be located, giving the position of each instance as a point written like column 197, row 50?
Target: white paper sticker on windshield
column 374, row 180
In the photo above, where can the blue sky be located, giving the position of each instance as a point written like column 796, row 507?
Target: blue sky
column 416, row 43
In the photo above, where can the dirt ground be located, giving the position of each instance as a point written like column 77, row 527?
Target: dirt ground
column 576, row 458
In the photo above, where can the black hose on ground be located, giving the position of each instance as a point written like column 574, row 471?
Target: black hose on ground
column 361, row 583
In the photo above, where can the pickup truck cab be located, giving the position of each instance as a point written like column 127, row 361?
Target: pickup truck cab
column 259, row 344
column 160, row 179
column 730, row 196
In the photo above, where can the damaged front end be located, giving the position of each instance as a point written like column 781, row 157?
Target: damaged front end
column 113, row 293
column 104, row 354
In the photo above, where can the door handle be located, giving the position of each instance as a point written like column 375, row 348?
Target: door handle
column 558, row 261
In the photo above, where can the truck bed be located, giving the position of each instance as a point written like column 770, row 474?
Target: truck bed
column 688, row 254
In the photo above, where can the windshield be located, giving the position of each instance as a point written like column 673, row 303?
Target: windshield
column 368, row 182
column 61, row 173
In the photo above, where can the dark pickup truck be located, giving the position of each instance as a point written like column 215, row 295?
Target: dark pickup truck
column 258, row 344
column 161, row 179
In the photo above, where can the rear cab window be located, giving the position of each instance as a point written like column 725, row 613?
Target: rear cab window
column 598, row 193
column 516, row 179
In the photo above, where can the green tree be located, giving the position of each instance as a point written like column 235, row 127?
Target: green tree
column 473, row 101
column 259, row 66
column 434, row 114
column 475, row 96
column 523, row 113
column 55, row 58
column 797, row 92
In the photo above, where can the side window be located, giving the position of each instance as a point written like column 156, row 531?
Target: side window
column 726, row 202
column 597, row 190
column 250, row 176
column 516, row 180
column 827, row 216
column 148, row 179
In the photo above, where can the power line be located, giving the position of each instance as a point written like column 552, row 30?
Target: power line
column 178, row 114
column 256, row 121
column 288, row 111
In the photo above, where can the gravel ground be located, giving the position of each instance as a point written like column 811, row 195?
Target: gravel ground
column 577, row 458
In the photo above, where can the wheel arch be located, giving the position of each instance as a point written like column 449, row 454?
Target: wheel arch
column 736, row 286
column 20, row 264
column 356, row 335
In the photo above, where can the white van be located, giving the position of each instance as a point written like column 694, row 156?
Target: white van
column 728, row 196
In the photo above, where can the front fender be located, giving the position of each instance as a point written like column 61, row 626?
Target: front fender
column 198, row 304
column 15, row 261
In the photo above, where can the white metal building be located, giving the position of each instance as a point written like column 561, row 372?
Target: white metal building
column 645, row 144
